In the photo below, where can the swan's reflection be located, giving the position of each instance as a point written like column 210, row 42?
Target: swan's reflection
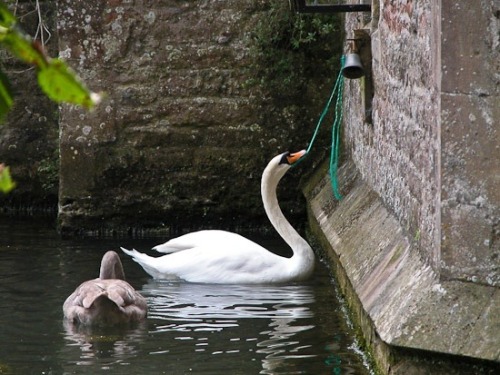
column 103, row 346
column 281, row 311
column 187, row 302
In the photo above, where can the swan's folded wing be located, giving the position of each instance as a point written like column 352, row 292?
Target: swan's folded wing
column 131, row 302
column 85, row 295
column 206, row 238
column 117, row 294
column 185, row 242
column 172, row 246
column 203, row 264
column 123, row 294
column 89, row 291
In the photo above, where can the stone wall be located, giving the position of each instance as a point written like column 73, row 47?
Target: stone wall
column 398, row 153
column 191, row 116
column 431, row 149
column 182, row 136
column 414, row 241
column 411, row 321
column 470, row 138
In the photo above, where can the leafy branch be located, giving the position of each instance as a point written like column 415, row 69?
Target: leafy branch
column 55, row 78
column 6, row 183
column 286, row 46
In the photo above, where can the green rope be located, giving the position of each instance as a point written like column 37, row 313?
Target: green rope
column 335, row 149
column 338, row 90
column 325, row 111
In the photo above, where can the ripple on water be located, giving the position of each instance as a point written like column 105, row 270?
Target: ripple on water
column 191, row 328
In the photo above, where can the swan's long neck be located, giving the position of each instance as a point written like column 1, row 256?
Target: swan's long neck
column 302, row 252
column 111, row 267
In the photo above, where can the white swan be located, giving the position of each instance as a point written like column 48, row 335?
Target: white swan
column 107, row 300
column 216, row 256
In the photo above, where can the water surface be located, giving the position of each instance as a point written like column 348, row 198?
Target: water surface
column 296, row 328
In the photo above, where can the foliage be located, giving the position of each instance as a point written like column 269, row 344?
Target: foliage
column 286, row 46
column 5, row 96
column 48, row 172
column 55, row 78
column 6, row 183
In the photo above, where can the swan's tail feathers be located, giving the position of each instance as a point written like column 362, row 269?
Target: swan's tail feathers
column 133, row 253
column 144, row 260
column 137, row 256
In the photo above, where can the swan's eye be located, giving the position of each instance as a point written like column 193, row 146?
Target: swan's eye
column 284, row 158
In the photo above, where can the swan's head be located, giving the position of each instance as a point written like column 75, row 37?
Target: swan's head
column 278, row 166
column 290, row 158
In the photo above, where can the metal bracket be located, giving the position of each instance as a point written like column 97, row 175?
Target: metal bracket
column 301, row 7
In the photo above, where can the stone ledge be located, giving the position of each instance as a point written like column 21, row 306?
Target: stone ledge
column 409, row 308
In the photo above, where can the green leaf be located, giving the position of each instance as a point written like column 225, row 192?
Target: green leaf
column 24, row 48
column 57, row 80
column 5, row 95
column 7, row 19
column 6, row 183
column 60, row 84
column 17, row 41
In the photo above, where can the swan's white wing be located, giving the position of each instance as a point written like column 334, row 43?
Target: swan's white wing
column 244, row 262
column 203, row 238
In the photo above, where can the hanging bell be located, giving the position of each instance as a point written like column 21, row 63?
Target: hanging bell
column 353, row 68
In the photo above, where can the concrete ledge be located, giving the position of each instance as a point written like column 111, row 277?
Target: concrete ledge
column 411, row 315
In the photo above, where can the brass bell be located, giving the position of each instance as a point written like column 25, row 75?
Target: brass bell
column 353, row 68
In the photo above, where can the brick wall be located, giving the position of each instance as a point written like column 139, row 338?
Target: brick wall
column 398, row 152
column 470, row 137
column 432, row 149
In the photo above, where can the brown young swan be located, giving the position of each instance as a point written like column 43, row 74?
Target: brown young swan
column 107, row 300
column 216, row 256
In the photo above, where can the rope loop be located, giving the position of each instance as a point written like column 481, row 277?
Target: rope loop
column 337, row 91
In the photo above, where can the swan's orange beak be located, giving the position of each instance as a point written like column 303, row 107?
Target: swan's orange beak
column 294, row 157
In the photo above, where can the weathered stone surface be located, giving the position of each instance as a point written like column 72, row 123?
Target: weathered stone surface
column 470, row 139
column 398, row 154
column 407, row 307
column 415, row 239
column 182, row 138
column 432, row 149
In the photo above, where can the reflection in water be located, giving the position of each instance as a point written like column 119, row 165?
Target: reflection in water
column 98, row 343
column 192, row 328
column 280, row 346
column 205, row 307
column 188, row 302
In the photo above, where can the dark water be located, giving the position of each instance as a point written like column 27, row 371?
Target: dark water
column 296, row 328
